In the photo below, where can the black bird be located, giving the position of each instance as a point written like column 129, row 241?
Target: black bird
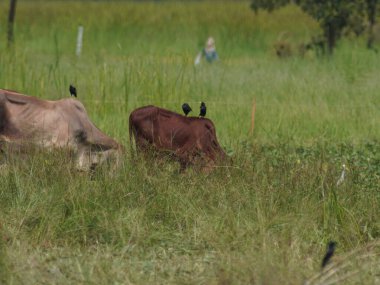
column 73, row 91
column 203, row 109
column 329, row 253
column 186, row 108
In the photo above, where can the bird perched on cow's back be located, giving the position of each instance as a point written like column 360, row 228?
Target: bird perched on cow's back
column 186, row 108
column 73, row 91
column 329, row 253
column 203, row 109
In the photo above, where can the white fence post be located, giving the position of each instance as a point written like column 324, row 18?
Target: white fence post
column 79, row 40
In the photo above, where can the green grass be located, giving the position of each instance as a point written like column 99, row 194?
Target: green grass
column 266, row 220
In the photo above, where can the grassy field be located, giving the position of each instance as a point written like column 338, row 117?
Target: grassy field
column 266, row 220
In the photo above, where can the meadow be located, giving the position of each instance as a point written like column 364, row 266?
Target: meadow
column 264, row 220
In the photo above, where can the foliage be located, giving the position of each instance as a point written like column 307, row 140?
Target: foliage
column 268, row 5
column 334, row 16
column 372, row 6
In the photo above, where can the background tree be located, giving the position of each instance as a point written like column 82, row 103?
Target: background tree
column 268, row 5
column 371, row 14
column 333, row 16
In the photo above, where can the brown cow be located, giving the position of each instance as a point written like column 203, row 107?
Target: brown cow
column 185, row 137
column 26, row 120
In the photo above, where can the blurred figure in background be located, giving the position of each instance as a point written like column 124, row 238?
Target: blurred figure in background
column 209, row 52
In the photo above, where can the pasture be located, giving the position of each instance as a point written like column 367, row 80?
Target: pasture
column 265, row 220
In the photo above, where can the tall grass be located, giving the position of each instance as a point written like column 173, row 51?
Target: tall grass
column 266, row 220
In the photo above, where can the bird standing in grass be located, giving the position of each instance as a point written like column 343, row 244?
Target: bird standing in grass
column 329, row 253
column 73, row 91
column 186, row 108
column 203, row 109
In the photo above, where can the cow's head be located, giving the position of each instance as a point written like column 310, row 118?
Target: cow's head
column 89, row 157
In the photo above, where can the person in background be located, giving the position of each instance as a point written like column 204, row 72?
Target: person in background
column 209, row 52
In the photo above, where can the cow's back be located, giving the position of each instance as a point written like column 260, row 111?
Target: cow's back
column 13, row 107
column 164, row 129
column 61, row 123
column 34, row 120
